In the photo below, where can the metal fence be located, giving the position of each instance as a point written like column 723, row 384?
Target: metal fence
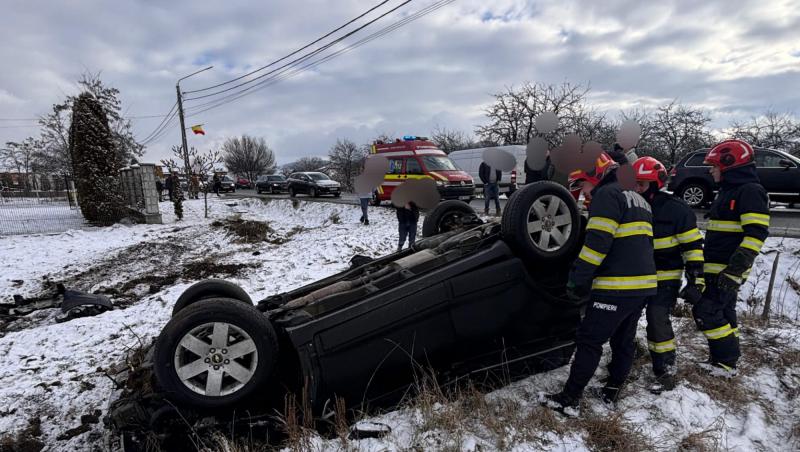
column 40, row 211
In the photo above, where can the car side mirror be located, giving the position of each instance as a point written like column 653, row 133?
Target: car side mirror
column 786, row 164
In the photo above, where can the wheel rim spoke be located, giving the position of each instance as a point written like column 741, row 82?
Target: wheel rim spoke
column 239, row 372
column 558, row 237
column 539, row 208
column 544, row 240
column 534, row 226
column 555, row 203
column 192, row 369
column 195, row 345
column 241, row 349
column 562, row 220
column 219, row 338
column 214, row 382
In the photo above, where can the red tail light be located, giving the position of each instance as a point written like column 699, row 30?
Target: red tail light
column 513, row 176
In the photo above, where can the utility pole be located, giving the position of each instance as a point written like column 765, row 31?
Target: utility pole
column 187, row 165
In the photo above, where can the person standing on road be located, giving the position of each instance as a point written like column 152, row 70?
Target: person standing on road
column 678, row 246
column 491, row 186
column 194, row 187
column 160, row 189
column 217, row 184
column 407, row 218
column 535, row 175
column 364, row 199
column 168, row 183
column 737, row 227
column 615, row 272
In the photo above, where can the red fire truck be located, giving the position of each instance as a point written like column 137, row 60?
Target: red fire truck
column 417, row 158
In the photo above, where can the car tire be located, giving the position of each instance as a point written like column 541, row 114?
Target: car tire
column 695, row 194
column 448, row 216
column 337, row 195
column 291, row 192
column 532, row 216
column 312, row 192
column 210, row 288
column 184, row 363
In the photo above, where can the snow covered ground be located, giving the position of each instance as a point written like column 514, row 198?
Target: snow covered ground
column 56, row 371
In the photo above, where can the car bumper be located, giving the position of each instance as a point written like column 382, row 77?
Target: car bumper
column 462, row 192
column 329, row 190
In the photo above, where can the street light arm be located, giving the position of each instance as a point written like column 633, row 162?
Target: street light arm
column 193, row 73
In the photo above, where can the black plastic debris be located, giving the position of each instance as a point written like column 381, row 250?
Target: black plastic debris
column 81, row 304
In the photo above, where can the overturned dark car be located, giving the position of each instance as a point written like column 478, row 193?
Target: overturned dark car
column 470, row 299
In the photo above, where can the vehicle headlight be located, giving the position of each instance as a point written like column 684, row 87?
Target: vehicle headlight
column 440, row 183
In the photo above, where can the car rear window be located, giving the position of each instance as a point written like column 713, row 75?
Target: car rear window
column 696, row 160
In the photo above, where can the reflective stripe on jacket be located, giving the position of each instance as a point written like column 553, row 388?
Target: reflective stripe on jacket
column 617, row 256
column 677, row 242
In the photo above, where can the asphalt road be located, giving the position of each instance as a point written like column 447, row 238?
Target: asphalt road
column 784, row 222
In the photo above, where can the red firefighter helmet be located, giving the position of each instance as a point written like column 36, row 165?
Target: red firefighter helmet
column 602, row 165
column 650, row 170
column 730, row 154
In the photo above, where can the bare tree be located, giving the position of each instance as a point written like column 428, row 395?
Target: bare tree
column 304, row 164
column 22, row 156
column 346, row 159
column 770, row 130
column 450, row 140
column 513, row 113
column 248, row 156
column 676, row 129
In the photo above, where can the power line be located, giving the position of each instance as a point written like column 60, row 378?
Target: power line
column 290, row 72
column 166, row 119
column 291, row 54
column 304, row 57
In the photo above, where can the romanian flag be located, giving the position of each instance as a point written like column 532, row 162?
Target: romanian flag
column 198, row 129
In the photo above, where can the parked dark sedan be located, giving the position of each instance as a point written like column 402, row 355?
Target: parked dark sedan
column 273, row 183
column 313, row 184
column 779, row 173
column 227, row 185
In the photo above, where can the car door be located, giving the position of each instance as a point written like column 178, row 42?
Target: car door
column 777, row 177
column 413, row 169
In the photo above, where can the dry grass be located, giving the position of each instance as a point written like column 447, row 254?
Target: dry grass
column 245, row 231
column 709, row 440
column 613, row 433
column 26, row 440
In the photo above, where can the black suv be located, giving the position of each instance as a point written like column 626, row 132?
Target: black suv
column 471, row 299
column 273, row 183
column 779, row 173
column 313, row 184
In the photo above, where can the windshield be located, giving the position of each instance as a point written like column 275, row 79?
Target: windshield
column 319, row 176
column 227, row 179
column 438, row 163
column 276, row 178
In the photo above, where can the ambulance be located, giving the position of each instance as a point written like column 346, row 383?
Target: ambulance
column 417, row 158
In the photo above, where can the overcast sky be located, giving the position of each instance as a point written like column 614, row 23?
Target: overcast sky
column 735, row 58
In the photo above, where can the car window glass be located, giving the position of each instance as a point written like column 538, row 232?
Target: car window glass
column 319, row 176
column 413, row 166
column 438, row 163
column 696, row 160
column 395, row 166
column 768, row 160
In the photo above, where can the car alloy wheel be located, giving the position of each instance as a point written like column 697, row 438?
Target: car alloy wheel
column 549, row 223
column 693, row 195
column 312, row 192
column 216, row 359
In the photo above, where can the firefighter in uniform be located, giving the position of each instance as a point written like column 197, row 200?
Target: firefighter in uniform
column 737, row 227
column 616, row 272
column 678, row 245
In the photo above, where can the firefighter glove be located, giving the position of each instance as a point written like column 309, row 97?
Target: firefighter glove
column 575, row 294
column 691, row 293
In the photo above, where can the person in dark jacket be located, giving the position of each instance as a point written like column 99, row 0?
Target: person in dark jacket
column 615, row 272
column 491, row 186
column 407, row 218
column 737, row 227
column 678, row 245
column 217, row 184
column 160, row 189
column 168, row 184
column 535, row 175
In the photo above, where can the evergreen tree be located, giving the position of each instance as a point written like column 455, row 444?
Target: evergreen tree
column 95, row 163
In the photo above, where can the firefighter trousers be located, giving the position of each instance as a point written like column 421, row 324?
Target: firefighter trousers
column 715, row 317
column 660, row 337
column 607, row 319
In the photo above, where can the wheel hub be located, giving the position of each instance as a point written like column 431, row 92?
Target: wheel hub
column 548, row 223
column 216, row 358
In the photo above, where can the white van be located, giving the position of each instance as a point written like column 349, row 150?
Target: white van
column 469, row 160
